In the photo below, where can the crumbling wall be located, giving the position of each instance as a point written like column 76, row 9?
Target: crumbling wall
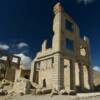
column 10, row 74
column 45, row 73
column 22, row 85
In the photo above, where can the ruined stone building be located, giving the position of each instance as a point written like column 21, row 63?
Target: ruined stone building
column 8, row 65
column 11, row 67
column 67, row 65
column 13, row 63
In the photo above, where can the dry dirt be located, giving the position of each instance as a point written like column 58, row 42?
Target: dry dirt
column 87, row 96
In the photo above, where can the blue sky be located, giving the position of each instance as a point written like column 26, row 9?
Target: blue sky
column 24, row 24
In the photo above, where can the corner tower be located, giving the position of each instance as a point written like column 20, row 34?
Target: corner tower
column 65, row 44
column 67, row 47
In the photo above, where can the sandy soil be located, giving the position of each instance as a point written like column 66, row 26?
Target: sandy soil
column 87, row 96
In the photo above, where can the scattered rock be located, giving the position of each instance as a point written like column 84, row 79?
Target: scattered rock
column 3, row 92
column 63, row 92
column 5, row 82
column 72, row 92
column 39, row 91
column 54, row 92
column 22, row 86
column 1, row 86
column 33, row 91
column 21, row 93
column 46, row 91
column 11, row 93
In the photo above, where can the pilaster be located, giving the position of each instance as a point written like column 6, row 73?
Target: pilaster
column 58, row 72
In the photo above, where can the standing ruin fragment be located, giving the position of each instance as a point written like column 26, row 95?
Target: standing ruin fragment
column 67, row 65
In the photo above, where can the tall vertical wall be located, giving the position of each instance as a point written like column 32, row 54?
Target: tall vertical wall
column 58, row 71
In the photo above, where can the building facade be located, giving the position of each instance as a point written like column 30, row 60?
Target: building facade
column 67, row 65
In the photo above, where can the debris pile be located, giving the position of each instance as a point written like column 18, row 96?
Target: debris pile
column 5, row 86
column 21, row 86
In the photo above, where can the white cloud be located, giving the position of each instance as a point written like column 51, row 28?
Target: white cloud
column 4, row 47
column 25, row 60
column 3, row 58
column 85, row 1
column 96, row 68
column 15, row 60
column 22, row 44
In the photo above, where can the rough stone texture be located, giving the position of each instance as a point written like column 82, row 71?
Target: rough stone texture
column 72, row 92
column 22, row 85
column 61, row 67
column 39, row 91
column 10, row 74
column 43, row 91
column 11, row 66
column 54, row 92
column 8, row 64
column 63, row 92
column 45, row 73
column 5, row 82
column 21, row 73
column 3, row 92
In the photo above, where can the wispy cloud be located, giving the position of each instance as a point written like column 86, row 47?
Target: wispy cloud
column 85, row 1
column 96, row 68
column 4, row 47
column 18, row 50
column 3, row 58
column 25, row 60
column 22, row 45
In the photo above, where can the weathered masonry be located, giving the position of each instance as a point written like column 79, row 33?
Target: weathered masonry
column 8, row 65
column 67, row 65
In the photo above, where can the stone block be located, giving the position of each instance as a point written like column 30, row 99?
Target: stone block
column 5, row 82
column 54, row 92
column 46, row 91
column 72, row 92
column 39, row 91
column 63, row 92
column 22, row 86
column 3, row 92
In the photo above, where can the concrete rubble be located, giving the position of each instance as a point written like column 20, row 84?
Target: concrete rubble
column 22, row 86
column 63, row 92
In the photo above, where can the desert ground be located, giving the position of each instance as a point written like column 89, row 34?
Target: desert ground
column 85, row 96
